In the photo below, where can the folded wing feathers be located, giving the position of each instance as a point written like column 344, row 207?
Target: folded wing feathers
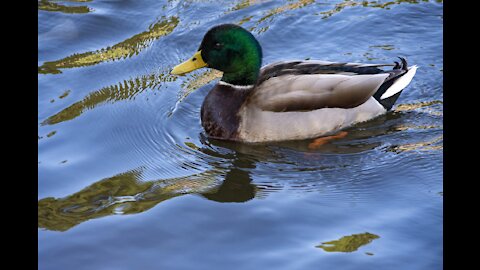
column 314, row 84
column 316, row 91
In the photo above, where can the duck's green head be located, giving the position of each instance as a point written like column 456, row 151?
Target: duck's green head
column 228, row 48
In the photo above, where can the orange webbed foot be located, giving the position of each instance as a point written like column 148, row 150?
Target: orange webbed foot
column 324, row 140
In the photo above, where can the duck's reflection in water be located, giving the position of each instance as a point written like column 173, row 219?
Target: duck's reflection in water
column 237, row 185
column 125, row 194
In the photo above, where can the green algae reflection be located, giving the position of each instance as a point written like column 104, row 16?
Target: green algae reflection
column 48, row 5
column 243, row 4
column 372, row 4
column 125, row 90
column 124, row 49
column 279, row 10
column 122, row 194
column 348, row 243
column 128, row 89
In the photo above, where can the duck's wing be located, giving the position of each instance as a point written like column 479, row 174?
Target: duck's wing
column 311, row 85
column 303, row 67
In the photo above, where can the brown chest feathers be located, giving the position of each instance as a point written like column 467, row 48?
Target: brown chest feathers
column 219, row 113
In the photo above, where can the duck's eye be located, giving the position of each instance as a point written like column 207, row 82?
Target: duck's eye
column 218, row 45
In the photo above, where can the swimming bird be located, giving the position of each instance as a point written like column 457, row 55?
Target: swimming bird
column 288, row 100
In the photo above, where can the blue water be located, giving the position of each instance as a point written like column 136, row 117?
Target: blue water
column 128, row 180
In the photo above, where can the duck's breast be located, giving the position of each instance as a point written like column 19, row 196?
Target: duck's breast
column 219, row 113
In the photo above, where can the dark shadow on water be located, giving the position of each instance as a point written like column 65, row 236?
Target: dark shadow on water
column 126, row 194
column 237, row 186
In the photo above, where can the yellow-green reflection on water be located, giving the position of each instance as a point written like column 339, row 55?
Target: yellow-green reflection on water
column 348, row 243
column 291, row 6
column 65, row 94
column 113, row 93
column 386, row 47
column 279, row 10
column 124, row 49
column 244, row 4
column 128, row 89
column 244, row 20
column 430, row 145
column 403, row 127
column 270, row 14
column 417, row 105
column 50, row 134
column 374, row 4
column 302, row 3
column 124, row 193
column 423, row 106
column 51, row 6
column 198, row 80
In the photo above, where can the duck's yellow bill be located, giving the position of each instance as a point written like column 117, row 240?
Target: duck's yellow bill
column 191, row 64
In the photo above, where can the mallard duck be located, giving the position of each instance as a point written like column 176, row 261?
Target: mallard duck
column 287, row 100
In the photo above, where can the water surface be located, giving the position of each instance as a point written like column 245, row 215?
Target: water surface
column 128, row 179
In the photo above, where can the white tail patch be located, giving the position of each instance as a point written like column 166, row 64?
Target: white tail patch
column 401, row 83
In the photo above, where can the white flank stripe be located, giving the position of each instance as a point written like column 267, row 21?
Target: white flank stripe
column 400, row 83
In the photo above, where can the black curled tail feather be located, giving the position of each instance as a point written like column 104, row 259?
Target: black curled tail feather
column 398, row 71
column 404, row 65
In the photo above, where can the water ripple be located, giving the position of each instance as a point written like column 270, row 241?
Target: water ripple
column 127, row 48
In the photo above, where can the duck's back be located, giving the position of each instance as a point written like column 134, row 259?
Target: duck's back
column 341, row 85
